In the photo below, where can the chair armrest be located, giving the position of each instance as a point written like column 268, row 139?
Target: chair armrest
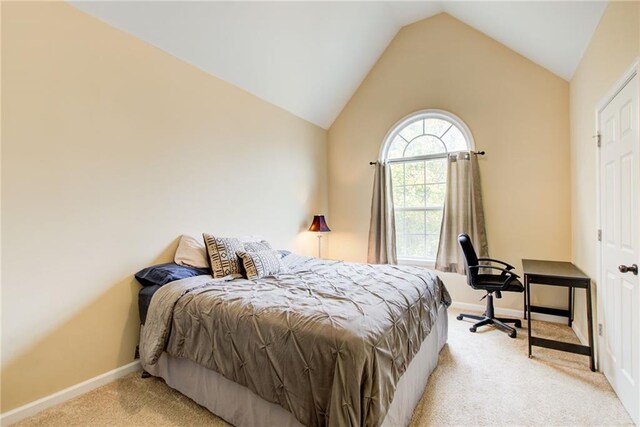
column 508, row 274
column 493, row 267
column 509, row 266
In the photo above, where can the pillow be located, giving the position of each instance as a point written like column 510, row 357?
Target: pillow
column 222, row 255
column 260, row 264
column 257, row 246
column 162, row 274
column 191, row 252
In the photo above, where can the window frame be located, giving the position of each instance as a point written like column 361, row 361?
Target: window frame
column 398, row 127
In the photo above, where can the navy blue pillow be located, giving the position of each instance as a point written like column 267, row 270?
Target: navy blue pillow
column 162, row 274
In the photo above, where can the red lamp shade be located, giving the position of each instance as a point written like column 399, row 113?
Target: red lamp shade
column 319, row 224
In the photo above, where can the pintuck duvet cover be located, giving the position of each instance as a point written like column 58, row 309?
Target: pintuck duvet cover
column 326, row 340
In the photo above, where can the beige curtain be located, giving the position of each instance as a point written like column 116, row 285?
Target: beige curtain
column 463, row 213
column 382, row 231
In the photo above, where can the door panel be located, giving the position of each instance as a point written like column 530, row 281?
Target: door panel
column 626, row 186
column 609, row 228
column 626, row 338
column 610, row 315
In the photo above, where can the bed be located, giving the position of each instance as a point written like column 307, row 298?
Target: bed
column 324, row 343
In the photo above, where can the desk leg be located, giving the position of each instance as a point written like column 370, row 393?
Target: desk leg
column 570, row 317
column 527, row 290
column 573, row 302
column 524, row 303
column 590, row 327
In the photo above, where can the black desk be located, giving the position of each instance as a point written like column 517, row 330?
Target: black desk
column 556, row 273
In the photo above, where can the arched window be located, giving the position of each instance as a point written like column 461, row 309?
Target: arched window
column 416, row 149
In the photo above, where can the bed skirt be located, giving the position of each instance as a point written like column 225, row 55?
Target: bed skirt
column 241, row 407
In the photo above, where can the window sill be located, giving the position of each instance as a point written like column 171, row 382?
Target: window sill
column 426, row 263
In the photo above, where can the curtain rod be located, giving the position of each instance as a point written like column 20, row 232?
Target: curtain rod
column 479, row 153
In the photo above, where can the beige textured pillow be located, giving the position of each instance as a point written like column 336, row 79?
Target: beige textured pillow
column 191, row 252
column 222, row 255
column 260, row 264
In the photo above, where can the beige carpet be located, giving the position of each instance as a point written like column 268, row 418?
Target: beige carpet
column 482, row 379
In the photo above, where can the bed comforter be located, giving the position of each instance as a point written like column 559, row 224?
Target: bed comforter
column 326, row 340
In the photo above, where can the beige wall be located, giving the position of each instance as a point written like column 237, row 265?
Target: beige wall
column 110, row 150
column 613, row 49
column 517, row 112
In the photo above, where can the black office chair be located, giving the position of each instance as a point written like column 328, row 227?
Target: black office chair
column 506, row 281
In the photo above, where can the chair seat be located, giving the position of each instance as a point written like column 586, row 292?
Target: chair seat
column 494, row 282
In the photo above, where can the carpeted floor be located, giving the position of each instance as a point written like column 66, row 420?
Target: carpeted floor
column 484, row 378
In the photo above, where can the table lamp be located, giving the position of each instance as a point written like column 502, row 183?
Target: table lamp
column 319, row 226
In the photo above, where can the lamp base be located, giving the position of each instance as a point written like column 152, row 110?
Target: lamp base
column 319, row 245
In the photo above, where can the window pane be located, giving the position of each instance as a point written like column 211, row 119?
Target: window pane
column 435, row 194
column 411, row 131
column 414, row 222
column 434, row 220
column 436, row 127
column 432, row 246
column 396, row 149
column 397, row 174
column 414, row 196
column 415, row 246
column 401, row 245
column 436, row 171
column 424, row 145
column 414, row 173
column 454, row 140
column 398, row 197
column 400, row 221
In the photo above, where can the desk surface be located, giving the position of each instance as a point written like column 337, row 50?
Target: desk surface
column 552, row 269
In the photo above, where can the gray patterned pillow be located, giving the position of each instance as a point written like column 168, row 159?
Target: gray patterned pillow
column 261, row 263
column 257, row 246
column 222, row 255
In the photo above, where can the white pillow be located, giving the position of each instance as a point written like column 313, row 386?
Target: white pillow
column 222, row 255
column 191, row 252
column 261, row 263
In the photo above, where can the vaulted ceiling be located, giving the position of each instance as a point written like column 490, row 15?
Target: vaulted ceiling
column 309, row 57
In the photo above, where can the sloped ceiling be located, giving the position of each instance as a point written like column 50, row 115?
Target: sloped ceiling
column 309, row 57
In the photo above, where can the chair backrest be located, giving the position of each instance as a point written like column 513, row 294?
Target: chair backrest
column 470, row 258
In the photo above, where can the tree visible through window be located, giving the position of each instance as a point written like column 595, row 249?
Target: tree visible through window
column 417, row 150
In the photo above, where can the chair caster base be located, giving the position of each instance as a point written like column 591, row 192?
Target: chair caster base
column 499, row 323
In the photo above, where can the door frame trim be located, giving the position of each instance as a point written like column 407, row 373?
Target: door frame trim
column 626, row 77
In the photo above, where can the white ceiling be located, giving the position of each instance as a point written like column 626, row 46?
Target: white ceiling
column 310, row 57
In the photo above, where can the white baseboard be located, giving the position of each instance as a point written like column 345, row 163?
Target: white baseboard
column 61, row 396
column 510, row 312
